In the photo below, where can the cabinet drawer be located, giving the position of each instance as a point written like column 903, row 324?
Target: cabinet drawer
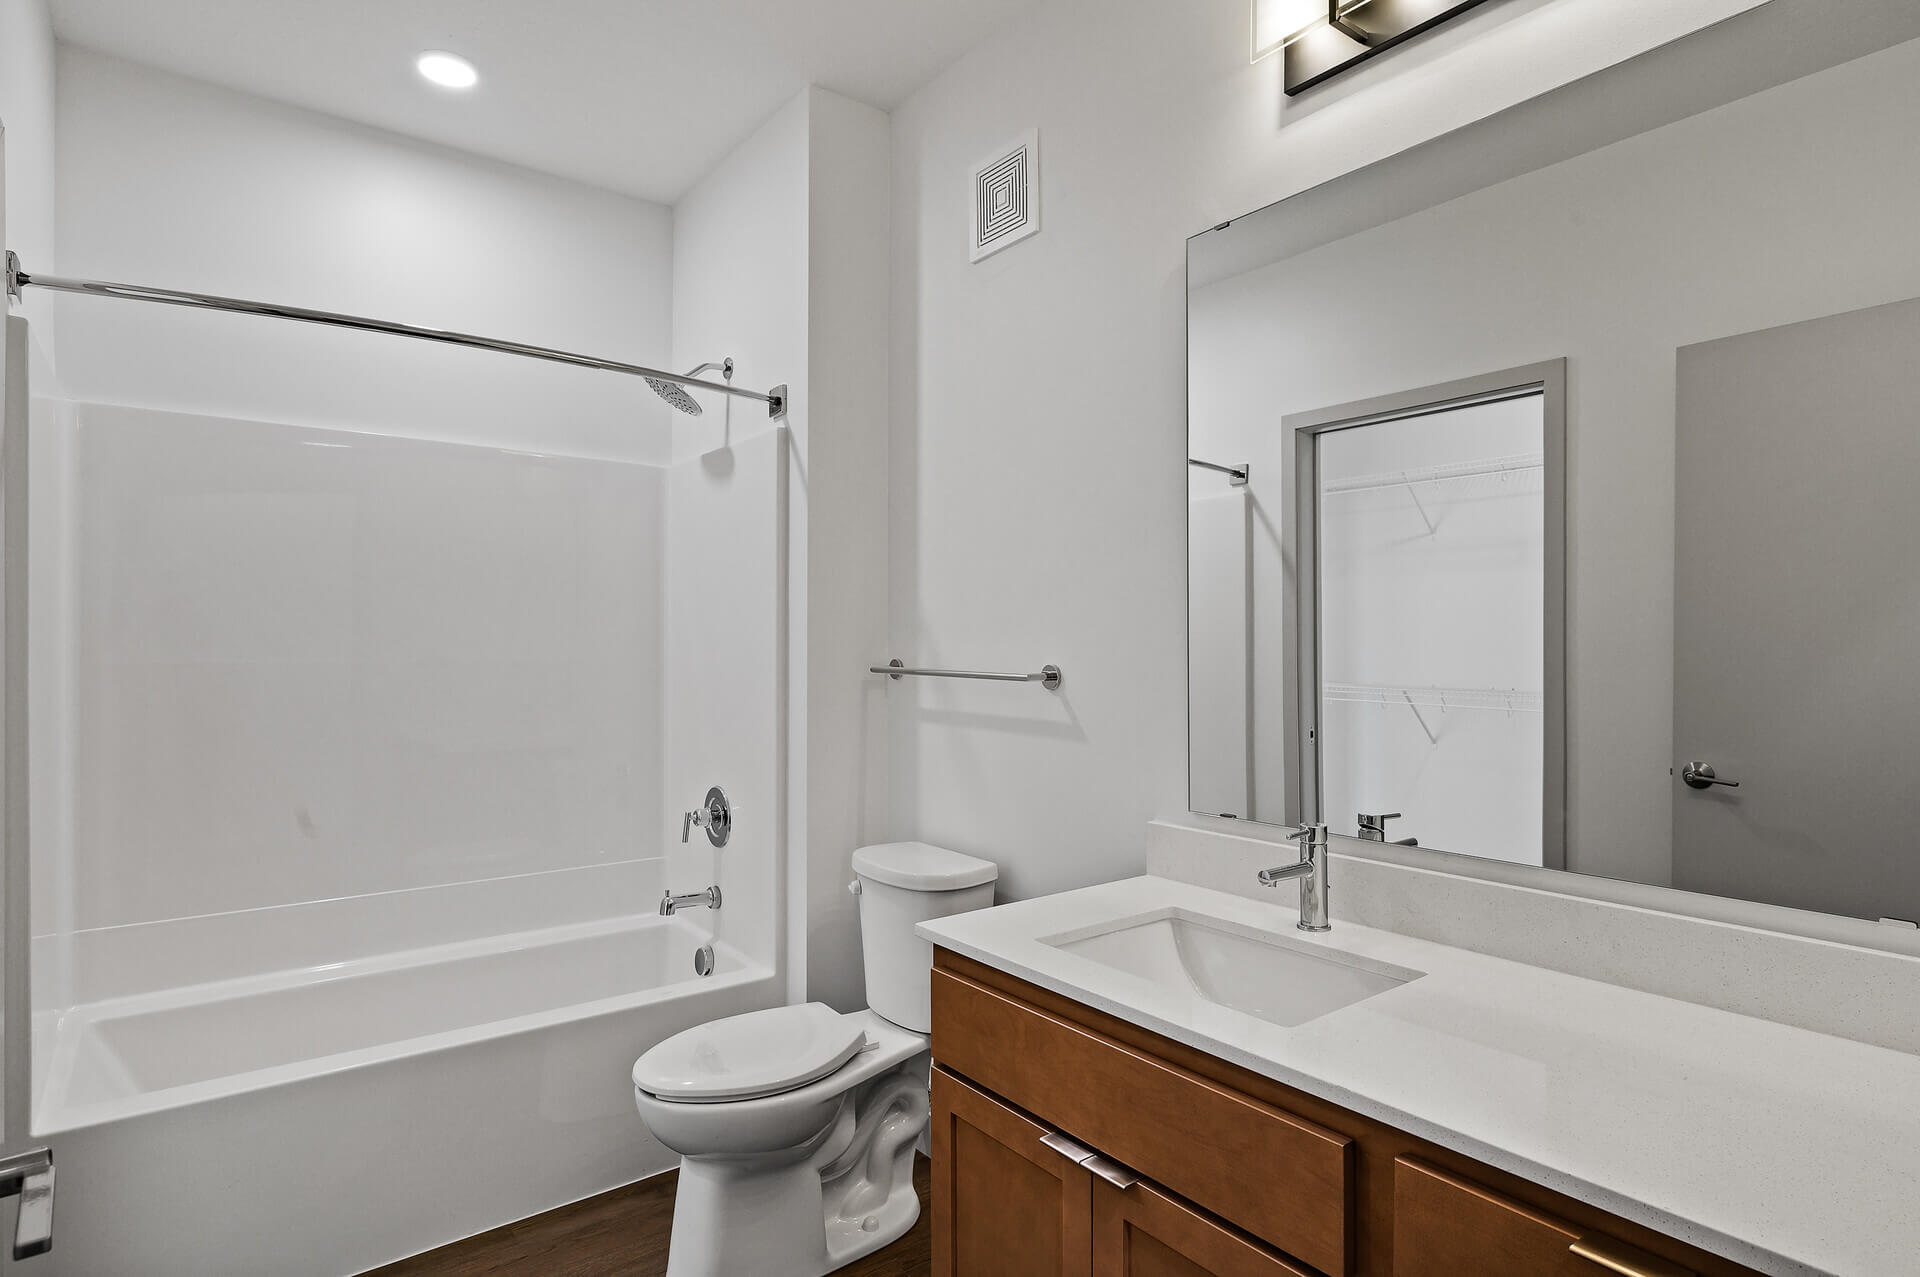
column 1279, row 1177
column 1444, row 1226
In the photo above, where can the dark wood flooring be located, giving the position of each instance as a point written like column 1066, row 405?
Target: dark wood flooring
column 624, row 1234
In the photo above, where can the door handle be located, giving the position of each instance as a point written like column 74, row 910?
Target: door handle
column 1701, row 776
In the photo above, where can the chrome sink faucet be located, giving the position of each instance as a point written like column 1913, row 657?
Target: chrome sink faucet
column 1311, row 870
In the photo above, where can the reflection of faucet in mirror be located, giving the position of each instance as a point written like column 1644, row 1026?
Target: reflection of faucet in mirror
column 1374, row 829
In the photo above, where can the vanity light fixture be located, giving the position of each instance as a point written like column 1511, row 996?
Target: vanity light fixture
column 1318, row 39
column 448, row 70
column 1278, row 23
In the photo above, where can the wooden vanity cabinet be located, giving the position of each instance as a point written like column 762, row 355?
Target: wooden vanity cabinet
column 1069, row 1142
column 1014, row 1198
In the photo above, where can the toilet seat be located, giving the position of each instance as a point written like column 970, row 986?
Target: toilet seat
column 750, row 1056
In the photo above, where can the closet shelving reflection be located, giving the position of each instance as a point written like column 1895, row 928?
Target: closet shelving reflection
column 1420, row 699
column 1504, row 472
column 1491, row 467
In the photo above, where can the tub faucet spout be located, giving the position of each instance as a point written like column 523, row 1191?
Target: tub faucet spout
column 671, row 904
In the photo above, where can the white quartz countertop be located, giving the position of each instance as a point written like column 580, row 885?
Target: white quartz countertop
column 1786, row 1150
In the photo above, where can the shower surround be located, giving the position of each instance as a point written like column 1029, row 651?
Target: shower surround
column 355, row 800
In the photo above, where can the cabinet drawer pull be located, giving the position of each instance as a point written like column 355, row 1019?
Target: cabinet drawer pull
column 1080, row 1155
column 1111, row 1171
column 1627, row 1261
column 1075, row 1153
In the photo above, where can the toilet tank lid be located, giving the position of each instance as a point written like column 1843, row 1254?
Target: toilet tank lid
column 920, row 866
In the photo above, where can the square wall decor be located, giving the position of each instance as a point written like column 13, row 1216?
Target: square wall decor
column 1006, row 196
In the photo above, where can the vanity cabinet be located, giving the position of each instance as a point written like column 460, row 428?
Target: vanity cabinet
column 1019, row 1199
column 1069, row 1142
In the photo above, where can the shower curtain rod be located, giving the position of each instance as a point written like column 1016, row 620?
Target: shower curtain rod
column 17, row 279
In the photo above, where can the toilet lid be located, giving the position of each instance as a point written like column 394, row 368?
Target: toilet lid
column 746, row 1056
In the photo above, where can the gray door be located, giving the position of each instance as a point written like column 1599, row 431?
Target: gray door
column 1797, row 613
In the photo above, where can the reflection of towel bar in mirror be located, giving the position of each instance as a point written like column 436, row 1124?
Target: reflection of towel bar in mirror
column 1048, row 676
column 1236, row 475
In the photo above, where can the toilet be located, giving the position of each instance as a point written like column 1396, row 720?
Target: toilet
column 796, row 1126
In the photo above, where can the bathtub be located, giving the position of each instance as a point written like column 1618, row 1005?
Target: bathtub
column 329, row 1119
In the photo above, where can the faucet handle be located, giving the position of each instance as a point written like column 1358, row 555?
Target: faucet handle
column 714, row 814
column 1375, row 824
column 1315, row 833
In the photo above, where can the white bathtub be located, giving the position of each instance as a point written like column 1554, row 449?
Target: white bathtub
column 139, row 1054
column 327, row 1120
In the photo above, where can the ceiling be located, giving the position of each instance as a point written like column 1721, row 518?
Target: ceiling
column 640, row 96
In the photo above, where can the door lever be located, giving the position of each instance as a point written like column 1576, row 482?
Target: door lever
column 1701, row 776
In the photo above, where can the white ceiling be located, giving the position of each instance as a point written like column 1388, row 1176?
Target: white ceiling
column 642, row 96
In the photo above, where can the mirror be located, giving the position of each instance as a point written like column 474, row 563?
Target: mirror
column 1551, row 485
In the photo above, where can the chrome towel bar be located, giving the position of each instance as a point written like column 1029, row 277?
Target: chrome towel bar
column 1048, row 677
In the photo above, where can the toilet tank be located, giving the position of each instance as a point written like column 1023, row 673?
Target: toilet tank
column 900, row 884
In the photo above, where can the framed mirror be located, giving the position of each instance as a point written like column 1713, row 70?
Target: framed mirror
column 1551, row 485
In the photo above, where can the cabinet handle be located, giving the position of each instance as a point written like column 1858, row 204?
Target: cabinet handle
column 1627, row 1261
column 1111, row 1171
column 1080, row 1155
column 1075, row 1153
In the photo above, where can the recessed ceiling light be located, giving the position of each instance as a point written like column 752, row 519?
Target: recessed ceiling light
column 448, row 70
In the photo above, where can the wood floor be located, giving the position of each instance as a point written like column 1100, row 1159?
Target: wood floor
column 624, row 1234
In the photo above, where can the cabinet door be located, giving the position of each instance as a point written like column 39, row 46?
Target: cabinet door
column 1005, row 1204
column 1143, row 1232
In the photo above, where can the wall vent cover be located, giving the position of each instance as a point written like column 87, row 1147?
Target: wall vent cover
column 1006, row 196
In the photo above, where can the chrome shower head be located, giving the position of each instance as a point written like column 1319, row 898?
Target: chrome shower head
column 677, row 395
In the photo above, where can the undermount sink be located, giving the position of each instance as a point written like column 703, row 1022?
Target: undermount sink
column 1271, row 977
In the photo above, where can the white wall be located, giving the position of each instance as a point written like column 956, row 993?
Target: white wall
column 27, row 121
column 174, row 183
column 780, row 261
column 843, row 457
column 1220, row 592
column 1038, row 402
column 739, row 291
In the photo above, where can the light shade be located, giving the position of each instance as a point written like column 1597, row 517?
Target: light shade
column 448, row 70
column 1278, row 22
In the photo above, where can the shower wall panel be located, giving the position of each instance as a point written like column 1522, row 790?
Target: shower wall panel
column 316, row 664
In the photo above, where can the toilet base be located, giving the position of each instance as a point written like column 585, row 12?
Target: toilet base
column 844, row 1194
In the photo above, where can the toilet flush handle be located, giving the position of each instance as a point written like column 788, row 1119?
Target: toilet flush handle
column 853, row 888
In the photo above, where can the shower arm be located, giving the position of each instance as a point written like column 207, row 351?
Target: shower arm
column 18, row 279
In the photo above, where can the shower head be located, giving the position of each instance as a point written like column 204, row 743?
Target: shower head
column 677, row 396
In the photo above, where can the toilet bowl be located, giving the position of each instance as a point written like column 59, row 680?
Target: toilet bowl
column 796, row 1126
